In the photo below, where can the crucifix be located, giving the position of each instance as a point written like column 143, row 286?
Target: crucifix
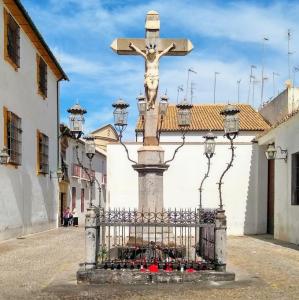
column 151, row 164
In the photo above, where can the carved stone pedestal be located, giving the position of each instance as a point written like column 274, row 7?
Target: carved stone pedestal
column 91, row 242
column 220, row 241
column 150, row 170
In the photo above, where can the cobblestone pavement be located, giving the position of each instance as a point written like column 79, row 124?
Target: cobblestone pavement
column 43, row 266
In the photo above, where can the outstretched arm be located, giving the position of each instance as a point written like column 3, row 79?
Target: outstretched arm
column 132, row 46
column 172, row 46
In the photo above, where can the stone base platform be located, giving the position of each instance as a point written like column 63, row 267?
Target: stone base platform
column 101, row 276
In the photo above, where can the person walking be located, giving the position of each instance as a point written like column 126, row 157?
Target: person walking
column 75, row 217
column 66, row 217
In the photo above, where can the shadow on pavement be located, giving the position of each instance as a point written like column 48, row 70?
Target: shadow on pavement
column 270, row 239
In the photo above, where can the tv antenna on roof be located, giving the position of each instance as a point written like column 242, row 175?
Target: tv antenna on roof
column 238, row 89
column 190, row 70
column 263, row 78
column 251, row 76
column 289, row 52
column 192, row 90
column 180, row 89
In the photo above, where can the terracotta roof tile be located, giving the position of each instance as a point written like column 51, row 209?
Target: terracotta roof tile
column 207, row 117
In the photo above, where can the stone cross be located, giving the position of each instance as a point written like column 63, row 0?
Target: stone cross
column 152, row 48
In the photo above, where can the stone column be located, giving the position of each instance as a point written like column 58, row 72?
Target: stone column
column 91, row 238
column 150, row 170
column 220, row 241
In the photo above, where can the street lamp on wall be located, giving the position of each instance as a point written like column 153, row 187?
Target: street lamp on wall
column 120, row 115
column 273, row 152
column 76, row 119
column 163, row 105
column 4, row 156
column 209, row 144
column 59, row 174
column 231, row 121
column 184, row 122
column 231, row 130
column 141, row 104
column 209, row 151
column 90, row 147
column 184, row 114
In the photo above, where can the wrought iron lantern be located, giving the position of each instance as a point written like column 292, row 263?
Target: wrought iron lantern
column 76, row 119
column 184, row 113
column 90, row 147
column 4, row 156
column 231, row 121
column 141, row 105
column 272, row 153
column 163, row 105
column 209, row 144
column 59, row 174
column 120, row 114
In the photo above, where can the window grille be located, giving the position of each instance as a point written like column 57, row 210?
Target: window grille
column 42, row 77
column 14, row 138
column 43, row 153
column 12, row 38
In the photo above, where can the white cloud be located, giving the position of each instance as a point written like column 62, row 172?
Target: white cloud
column 83, row 34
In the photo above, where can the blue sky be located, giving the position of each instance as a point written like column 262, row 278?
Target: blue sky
column 227, row 37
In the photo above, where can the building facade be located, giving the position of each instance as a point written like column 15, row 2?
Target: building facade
column 29, row 101
column 282, row 180
column 245, row 213
column 75, row 189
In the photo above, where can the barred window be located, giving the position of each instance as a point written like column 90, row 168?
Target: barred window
column 12, row 40
column 13, row 137
column 42, row 76
column 43, row 153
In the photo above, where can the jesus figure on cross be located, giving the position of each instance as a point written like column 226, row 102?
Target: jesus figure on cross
column 151, row 76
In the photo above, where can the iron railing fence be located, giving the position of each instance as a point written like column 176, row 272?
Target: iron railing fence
column 169, row 239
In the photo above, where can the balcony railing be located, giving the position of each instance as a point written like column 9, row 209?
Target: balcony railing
column 79, row 172
column 76, row 171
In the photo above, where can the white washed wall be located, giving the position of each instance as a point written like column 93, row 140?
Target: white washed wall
column 286, row 220
column 181, row 182
column 28, row 203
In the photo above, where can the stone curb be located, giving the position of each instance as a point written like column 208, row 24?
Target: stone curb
column 101, row 276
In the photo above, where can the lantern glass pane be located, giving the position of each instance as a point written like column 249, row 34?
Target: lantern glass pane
column 210, row 146
column 120, row 117
column 141, row 107
column 76, row 123
column 4, row 157
column 163, row 105
column 271, row 152
column 231, row 124
column 90, row 147
column 184, row 117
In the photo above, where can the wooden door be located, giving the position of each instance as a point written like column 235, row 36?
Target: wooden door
column 62, row 206
column 270, row 206
column 74, row 197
